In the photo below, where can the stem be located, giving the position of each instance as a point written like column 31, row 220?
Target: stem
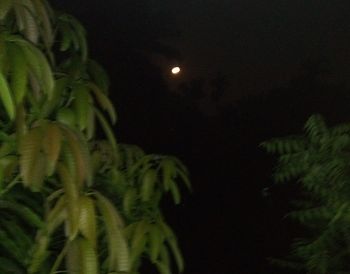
column 10, row 185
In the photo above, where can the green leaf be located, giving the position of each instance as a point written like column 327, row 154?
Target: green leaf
column 52, row 146
column 73, row 258
column 6, row 97
column 27, row 214
column 19, row 73
column 39, row 64
column 39, row 254
column 78, row 151
column 10, row 246
column 138, row 242
column 89, row 262
column 98, row 75
column 168, row 172
column 72, row 198
column 129, row 201
column 32, row 162
column 148, row 182
column 171, row 239
column 156, row 239
column 118, row 255
column 107, row 129
column 81, row 104
column 175, row 192
column 163, row 268
column 5, row 6
column 87, row 220
column 66, row 116
column 104, row 102
column 9, row 266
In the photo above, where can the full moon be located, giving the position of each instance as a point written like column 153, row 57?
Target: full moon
column 175, row 70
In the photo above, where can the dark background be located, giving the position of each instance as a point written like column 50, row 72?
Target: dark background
column 251, row 70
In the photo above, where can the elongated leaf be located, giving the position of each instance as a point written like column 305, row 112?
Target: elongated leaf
column 168, row 172
column 87, row 159
column 175, row 192
column 73, row 205
column 81, row 159
column 10, row 246
column 67, row 117
column 5, row 6
column 6, row 97
column 25, row 212
column 164, row 256
column 148, row 182
column 52, row 146
column 156, row 239
column 129, row 230
column 73, row 258
column 98, row 75
column 184, row 178
column 138, row 242
column 21, row 125
column 129, row 200
column 87, row 221
column 163, row 268
column 19, row 19
column 18, row 235
column 7, row 265
column 7, row 167
column 104, row 102
column 31, row 31
column 59, row 258
column 52, row 104
column 89, row 262
column 40, row 66
column 81, row 105
column 32, row 162
column 19, row 73
column 6, row 148
column 91, row 124
column 57, row 215
column 40, row 253
column 107, row 129
column 66, row 38
column 171, row 239
column 46, row 28
column 81, row 36
column 118, row 253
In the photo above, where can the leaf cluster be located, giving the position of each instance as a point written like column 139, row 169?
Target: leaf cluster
column 319, row 161
column 72, row 200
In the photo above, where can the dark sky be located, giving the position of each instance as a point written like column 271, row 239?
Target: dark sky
column 226, row 225
column 258, row 44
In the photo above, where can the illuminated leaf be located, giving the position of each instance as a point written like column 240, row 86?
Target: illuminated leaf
column 52, row 146
column 87, row 221
column 32, row 162
column 118, row 255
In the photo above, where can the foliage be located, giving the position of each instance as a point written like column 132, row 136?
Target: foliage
column 70, row 200
column 319, row 161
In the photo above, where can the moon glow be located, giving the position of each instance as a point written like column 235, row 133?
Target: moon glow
column 175, row 70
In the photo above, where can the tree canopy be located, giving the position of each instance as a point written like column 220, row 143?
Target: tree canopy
column 72, row 199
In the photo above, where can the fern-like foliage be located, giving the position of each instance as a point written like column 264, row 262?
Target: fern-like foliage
column 319, row 160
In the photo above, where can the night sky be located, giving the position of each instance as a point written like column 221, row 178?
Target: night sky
column 251, row 70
